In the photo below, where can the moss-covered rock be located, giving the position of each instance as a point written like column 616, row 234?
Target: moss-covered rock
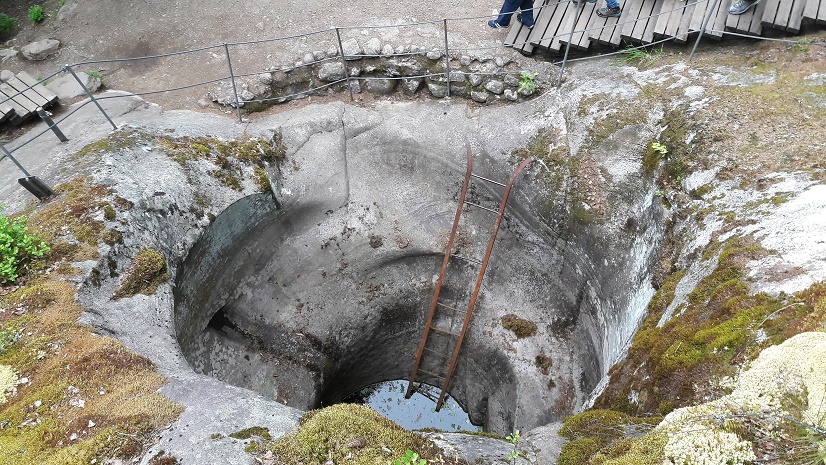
column 148, row 271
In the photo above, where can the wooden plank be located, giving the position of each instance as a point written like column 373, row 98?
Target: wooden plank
column 565, row 22
column 6, row 111
column 674, row 19
column 579, row 39
column 643, row 20
column 648, row 33
column 784, row 10
column 756, row 27
column 821, row 13
column 37, row 87
column 36, row 98
column 597, row 27
column 796, row 16
column 631, row 16
column 769, row 11
column 810, row 11
column 616, row 32
column 552, row 25
column 679, row 24
column 718, row 22
column 20, row 112
column 26, row 105
column 541, row 23
column 699, row 15
column 666, row 10
column 745, row 20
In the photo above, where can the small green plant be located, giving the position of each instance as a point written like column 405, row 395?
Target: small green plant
column 7, row 23
column 61, row 3
column 410, row 458
column 640, row 56
column 514, row 440
column 527, row 82
column 94, row 74
column 17, row 247
column 659, row 148
column 36, row 14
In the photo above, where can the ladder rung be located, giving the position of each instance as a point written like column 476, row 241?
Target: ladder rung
column 448, row 307
column 431, row 374
column 483, row 208
column 486, row 179
column 469, row 259
column 442, row 331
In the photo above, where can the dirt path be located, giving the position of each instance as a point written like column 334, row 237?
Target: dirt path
column 104, row 29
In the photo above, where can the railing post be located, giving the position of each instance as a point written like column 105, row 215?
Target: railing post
column 6, row 153
column 703, row 28
column 447, row 60
column 579, row 8
column 46, row 117
column 234, row 87
column 94, row 100
column 344, row 62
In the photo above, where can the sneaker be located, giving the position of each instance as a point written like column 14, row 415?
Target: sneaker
column 609, row 12
column 527, row 25
column 492, row 23
column 741, row 6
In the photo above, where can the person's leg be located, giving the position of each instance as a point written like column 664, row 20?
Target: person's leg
column 526, row 16
column 508, row 9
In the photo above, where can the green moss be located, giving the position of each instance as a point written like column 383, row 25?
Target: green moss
column 519, row 326
column 323, row 436
column 147, row 273
column 108, row 211
column 262, row 180
column 598, row 435
column 247, row 433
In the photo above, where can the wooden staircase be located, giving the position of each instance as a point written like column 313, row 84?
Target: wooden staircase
column 21, row 96
column 441, row 342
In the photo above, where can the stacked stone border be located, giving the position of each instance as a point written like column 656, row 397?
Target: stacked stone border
column 379, row 68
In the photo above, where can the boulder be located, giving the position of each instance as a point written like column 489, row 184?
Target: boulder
column 355, row 86
column 380, row 86
column 5, row 75
column 511, row 95
column 387, row 50
column 308, row 58
column 411, row 86
column 331, row 71
column 40, row 50
column 6, row 53
column 434, row 54
column 437, row 90
column 352, row 50
column 67, row 87
column 372, row 47
column 495, row 87
column 474, row 79
column 265, row 78
column 477, row 96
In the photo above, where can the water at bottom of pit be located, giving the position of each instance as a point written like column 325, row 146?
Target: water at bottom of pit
column 418, row 412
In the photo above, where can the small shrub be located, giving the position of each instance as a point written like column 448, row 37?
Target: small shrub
column 7, row 23
column 17, row 247
column 36, row 14
column 527, row 82
column 521, row 327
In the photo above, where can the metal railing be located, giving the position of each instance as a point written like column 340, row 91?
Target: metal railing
column 244, row 60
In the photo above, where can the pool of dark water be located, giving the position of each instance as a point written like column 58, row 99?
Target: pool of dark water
column 419, row 411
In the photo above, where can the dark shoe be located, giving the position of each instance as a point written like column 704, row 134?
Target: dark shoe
column 741, row 6
column 492, row 23
column 576, row 2
column 527, row 25
column 609, row 12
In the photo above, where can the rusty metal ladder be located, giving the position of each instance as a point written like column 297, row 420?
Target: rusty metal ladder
column 436, row 303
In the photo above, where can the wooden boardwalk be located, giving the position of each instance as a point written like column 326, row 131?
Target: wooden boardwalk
column 647, row 21
column 21, row 96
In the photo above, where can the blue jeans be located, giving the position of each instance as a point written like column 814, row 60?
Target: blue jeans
column 612, row 3
column 509, row 8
